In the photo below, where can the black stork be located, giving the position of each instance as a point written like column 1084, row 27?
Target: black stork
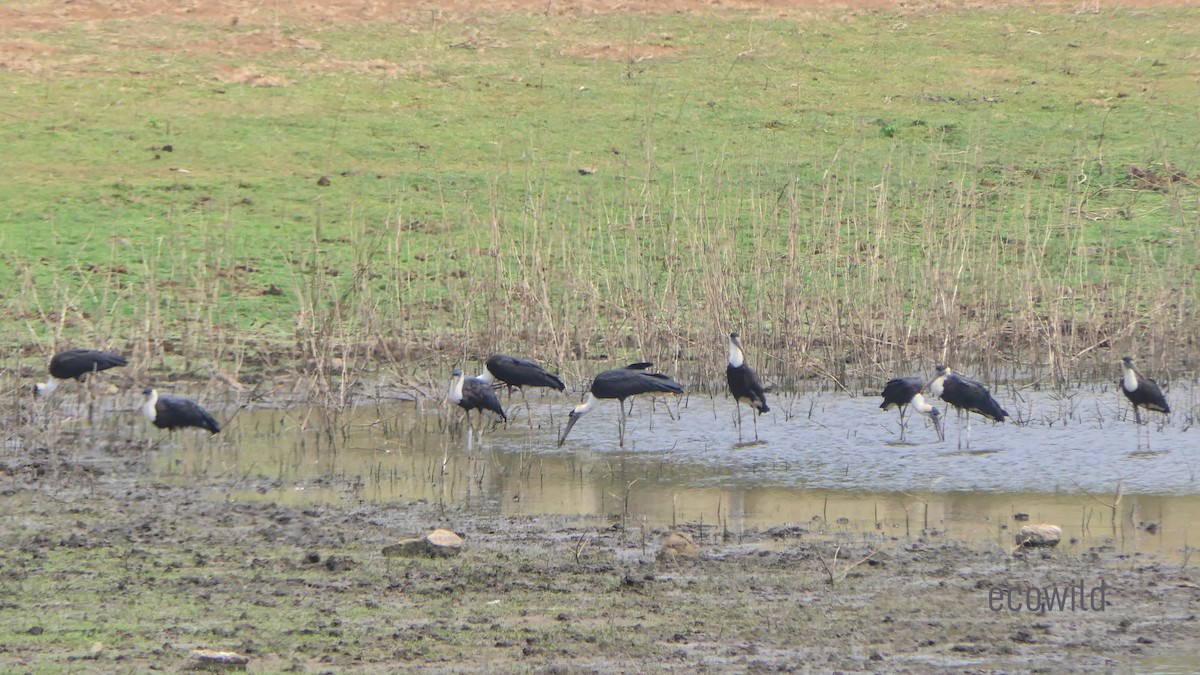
column 744, row 384
column 967, row 395
column 905, row 393
column 519, row 373
column 169, row 412
column 1142, row 392
column 75, row 364
column 621, row 383
column 472, row 393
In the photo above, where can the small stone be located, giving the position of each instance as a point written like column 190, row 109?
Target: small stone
column 438, row 543
column 211, row 659
column 1039, row 535
column 323, row 181
column 678, row 545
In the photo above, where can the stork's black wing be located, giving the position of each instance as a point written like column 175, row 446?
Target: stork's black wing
column 176, row 412
column 518, row 372
column 75, row 363
column 621, row 383
column 745, row 385
column 967, row 394
column 477, row 395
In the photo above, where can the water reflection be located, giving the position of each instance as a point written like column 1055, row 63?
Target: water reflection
column 825, row 463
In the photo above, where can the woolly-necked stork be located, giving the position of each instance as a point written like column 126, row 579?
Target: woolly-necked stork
column 519, row 373
column 515, row 372
column 905, row 392
column 744, row 384
column 621, row 383
column 472, row 393
column 1141, row 391
column 166, row 411
column 75, row 364
column 966, row 395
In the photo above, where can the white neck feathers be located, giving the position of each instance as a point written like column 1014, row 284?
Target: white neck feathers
column 150, row 407
column 48, row 386
column 455, row 395
column 1131, row 381
column 736, row 357
column 586, row 405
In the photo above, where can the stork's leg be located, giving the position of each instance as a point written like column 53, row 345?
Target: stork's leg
column 528, row 412
column 754, row 417
column 621, row 425
column 738, row 406
column 902, row 409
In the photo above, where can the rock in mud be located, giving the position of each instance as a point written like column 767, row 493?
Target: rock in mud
column 1039, row 535
column 210, row 659
column 438, row 543
column 678, row 545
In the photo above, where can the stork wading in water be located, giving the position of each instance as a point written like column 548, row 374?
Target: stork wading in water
column 169, row 412
column 905, row 393
column 966, row 395
column 1142, row 392
column 621, row 383
column 519, row 373
column 472, row 393
column 744, row 384
column 76, row 364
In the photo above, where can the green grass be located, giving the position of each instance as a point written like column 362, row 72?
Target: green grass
column 865, row 189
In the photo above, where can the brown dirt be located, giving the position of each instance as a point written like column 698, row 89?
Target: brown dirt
column 104, row 571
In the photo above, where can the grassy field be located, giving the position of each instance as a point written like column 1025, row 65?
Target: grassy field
column 851, row 190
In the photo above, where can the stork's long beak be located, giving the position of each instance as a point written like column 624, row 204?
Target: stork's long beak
column 571, row 419
column 937, row 425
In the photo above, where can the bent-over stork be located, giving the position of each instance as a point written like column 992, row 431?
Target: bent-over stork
column 744, row 384
column 75, row 364
column 919, row 404
column 515, row 372
column 166, row 411
column 519, row 373
column 621, row 383
column 905, row 392
column 966, row 395
column 472, row 393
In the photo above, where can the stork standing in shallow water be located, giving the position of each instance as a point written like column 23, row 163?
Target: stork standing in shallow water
column 1142, row 392
column 905, row 393
column 472, row 393
column 966, row 395
column 744, row 384
column 176, row 412
column 519, row 373
column 621, row 383
column 76, row 364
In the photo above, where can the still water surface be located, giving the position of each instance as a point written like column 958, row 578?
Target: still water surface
column 824, row 463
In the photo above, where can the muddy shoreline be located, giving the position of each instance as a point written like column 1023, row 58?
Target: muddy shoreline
column 107, row 570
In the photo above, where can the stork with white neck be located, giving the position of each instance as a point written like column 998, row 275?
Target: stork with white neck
column 472, row 393
column 621, row 383
column 1142, row 392
column 744, row 384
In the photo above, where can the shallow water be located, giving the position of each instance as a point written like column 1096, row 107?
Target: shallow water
column 823, row 463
